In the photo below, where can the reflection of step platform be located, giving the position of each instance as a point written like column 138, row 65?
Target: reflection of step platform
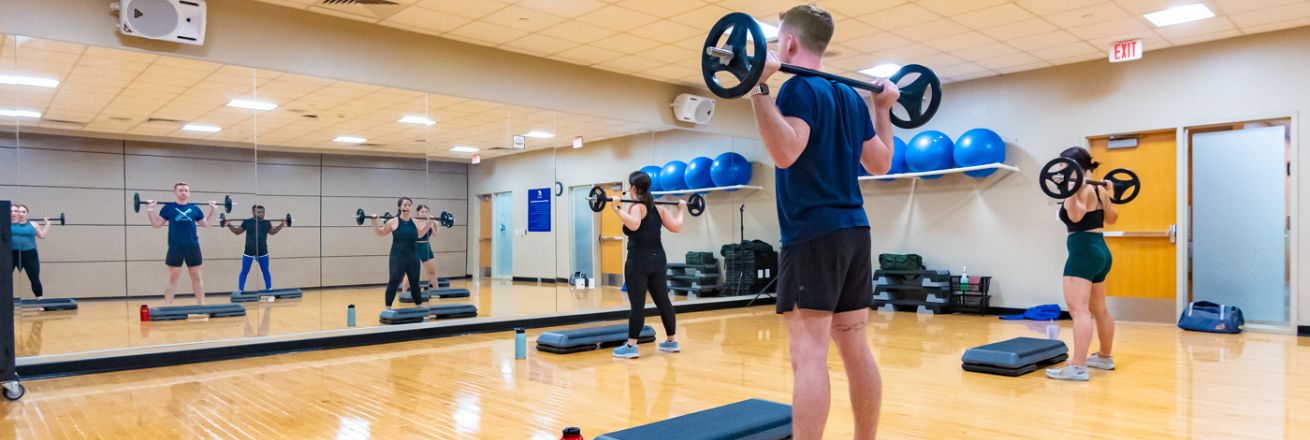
column 458, row 292
column 173, row 313
column 589, row 338
column 752, row 419
column 1015, row 357
column 47, row 304
column 418, row 314
column 441, row 282
column 255, row 295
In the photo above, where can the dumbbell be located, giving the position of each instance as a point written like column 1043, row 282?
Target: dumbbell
column 222, row 220
column 137, row 202
column 598, row 200
column 59, row 219
column 1062, row 177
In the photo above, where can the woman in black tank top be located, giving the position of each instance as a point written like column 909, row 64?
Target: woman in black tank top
column 646, row 266
column 405, row 231
column 1085, row 215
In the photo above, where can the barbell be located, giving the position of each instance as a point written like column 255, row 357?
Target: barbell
column 137, row 202
column 445, row 219
column 60, row 219
column 1062, row 177
column 597, row 200
column 920, row 95
column 222, row 220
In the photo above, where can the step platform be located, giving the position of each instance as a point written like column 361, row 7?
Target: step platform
column 440, row 293
column 752, row 419
column 418, row 314
column 255, row 295
column 1014, row 357
column 441, row 282
column 176, row 313
column 590, row 338
column 46, row 304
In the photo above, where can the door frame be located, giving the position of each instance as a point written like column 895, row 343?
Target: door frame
column 573, row 237
column 510, row 206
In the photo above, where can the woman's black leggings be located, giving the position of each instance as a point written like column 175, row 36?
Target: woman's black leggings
column 401, row 266
column 27, row 261
column 646, row 271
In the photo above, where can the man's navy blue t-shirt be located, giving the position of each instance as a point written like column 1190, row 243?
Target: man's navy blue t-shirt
column 820, row 192
column 181, row 223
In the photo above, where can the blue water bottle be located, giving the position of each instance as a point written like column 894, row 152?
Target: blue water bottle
column 350, row 315
column 520, row 343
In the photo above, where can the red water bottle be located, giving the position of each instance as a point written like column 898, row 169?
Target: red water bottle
column 145, row 313
column 572, row 433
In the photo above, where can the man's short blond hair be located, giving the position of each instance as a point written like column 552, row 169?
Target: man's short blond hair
column 811, row 25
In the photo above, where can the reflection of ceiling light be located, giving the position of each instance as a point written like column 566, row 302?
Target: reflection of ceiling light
column 539, row 134
column 882, row 70
column 1179, row 14
column 350, row 140
column 251, row 105
column 411, row 119
column 18, row 80
column 464, row 149
column 19, row 113
column 577, row 142
column 201, row 128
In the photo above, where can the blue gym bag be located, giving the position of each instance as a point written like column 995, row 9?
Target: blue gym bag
column 1205, row 316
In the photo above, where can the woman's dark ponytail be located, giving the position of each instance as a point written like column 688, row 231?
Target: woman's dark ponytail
column 1082, row 157
column 639, row 182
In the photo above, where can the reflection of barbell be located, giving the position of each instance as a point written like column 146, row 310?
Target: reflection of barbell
column 137, row 202
column 446, row 219
column 60, row 219
column 222, row 220
column 598, row 199
column 1062, row 177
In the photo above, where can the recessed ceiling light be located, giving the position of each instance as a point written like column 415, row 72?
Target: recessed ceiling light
column 251, row 105
column 19, row 113
column 464, row 149
column 882, row 70
column 1179, row 14
column 201, row 128
column 412, row 119
column 19, row 80
column 350, row 140
column 539, row 134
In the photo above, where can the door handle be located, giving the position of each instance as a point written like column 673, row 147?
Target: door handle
column 1173, row 233
column 610, row 238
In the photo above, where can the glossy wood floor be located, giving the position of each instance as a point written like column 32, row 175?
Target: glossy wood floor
column 101, row 324
column 1170, row 384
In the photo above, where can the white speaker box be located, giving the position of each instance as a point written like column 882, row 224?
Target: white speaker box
column 179, row 21
column 692, row 108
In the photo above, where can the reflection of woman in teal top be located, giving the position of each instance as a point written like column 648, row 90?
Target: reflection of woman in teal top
column 424, row 249
column 23, row 246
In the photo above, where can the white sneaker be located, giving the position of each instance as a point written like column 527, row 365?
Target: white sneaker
column 1068, row 372
column 1100, row 363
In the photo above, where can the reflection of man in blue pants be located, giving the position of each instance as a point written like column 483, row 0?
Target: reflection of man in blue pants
column 256, row 244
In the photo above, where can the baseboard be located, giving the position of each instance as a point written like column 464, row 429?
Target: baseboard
column 1303, row 330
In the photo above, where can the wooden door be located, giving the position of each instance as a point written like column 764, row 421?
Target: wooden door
column 611, row 241
column 1142, row 242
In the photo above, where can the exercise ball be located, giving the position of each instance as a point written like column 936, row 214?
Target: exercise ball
column 730, row 169
column 671, row 177
column 654, row 172
column 979, row 146
column 931, row 150
column 898, row 159
column 698, row 173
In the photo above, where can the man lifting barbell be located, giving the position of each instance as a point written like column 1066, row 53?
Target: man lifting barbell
column 182, row 218
column 257, row 231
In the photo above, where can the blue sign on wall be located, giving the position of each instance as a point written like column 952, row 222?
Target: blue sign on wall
column 539, row 210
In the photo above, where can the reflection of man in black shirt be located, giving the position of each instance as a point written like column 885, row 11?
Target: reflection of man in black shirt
column 256, row 244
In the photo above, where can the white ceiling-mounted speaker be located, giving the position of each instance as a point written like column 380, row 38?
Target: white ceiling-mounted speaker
column 694, row 109
column 179, row 21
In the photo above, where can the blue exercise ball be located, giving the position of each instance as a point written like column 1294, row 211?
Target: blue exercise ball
column 698, row 173
column 654, row 172
column 671, row 177
column 898, row 159
column 730, row 169
column 979, row 146
column 931, row 150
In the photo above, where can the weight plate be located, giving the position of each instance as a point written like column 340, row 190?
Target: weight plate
column 746, row 66
column 1126, row 185
column 1060, row 178
column 696, row 205
column 597, row 199
column 920, row 96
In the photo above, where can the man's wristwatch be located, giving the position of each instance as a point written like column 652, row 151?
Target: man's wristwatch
column 762, row 89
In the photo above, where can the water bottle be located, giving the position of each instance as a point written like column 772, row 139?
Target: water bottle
column 350, row 315
column 145, row 313
column 1052, row 330
column 572, row 433
column 520, row 343
column 964, row 280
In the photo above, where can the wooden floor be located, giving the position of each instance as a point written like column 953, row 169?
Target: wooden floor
column 1170, row 384
column 99, row 325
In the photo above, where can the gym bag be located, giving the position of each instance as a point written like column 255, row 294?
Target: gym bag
column 1205, row 316
column 900, row 262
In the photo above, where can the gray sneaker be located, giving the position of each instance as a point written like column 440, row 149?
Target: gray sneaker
column 670, row 347
column 1068, row 372
column 1100, row 363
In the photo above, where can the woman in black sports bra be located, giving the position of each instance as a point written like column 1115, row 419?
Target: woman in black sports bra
column 646, row 268
column 405, row 231
column 1085, row 215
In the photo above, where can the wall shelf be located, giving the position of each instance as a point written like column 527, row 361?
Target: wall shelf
column 705, row 190
column 990, row 166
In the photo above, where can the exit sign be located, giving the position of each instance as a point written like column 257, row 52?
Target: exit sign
column 1126, row 51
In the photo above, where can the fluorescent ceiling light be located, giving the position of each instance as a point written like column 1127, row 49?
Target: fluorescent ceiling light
column 350, row 140
column 19, row 113
column 539, row 134
column 421, row 120
column 201, row 128
column 251, row 105
column 464, row 149
column 1179, row 14
column 882, row 70
column 19, row 80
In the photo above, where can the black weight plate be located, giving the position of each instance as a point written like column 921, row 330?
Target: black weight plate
column 288, row 219
column 597, row 199
column 227, row 204
column 696, row 205
column 1126, row 185
column 136, row 202
column 919, row 98
column 745, row 67
column 1060, row 178
column 359, row 216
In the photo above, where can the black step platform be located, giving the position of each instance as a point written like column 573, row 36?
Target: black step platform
column 255, row 295
column 1014, row 357
column 752, row 419
column 448, row 292
column 418, row 314
column 441, row 282
column 47, row 304
column 589, row 338
column 174, row 313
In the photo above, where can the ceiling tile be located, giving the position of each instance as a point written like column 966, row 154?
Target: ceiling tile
column 1065, row 51
column 1123, row 27
column 1236, row 6
column 617, row 18
column 856, row 8
column 662, row 8
column 665, row 31
column 769, row 9
column 1043, row 41
column 702, row 18
column 116, row 54
column 353, row 12
column 993, row 16
column 1017, row 59
column 463, row 8
column 898, row 17
column 1196, row 28
column 939, row 60
column 960, row 69
column 670, row 54
column 1047, row 7
column 855, row 62
column 1024, row 67
column 674, row 71
column 1087, row 15
column 523, row 19
column 630, row 63
column 588, row 55
column 1193, row 39
column 540, row 45
column 577, row 32
column 985, row 51
column 906, row 54
column 877, row 42
column 851, row 28
column 1276, row 14
column 1276, row 26
column 484, row 31
column 959, row 41
column 931, row 30
column 951, row 8
column 563, row 8
column 427, row 20
column 625, row 43
column 1019, row 29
